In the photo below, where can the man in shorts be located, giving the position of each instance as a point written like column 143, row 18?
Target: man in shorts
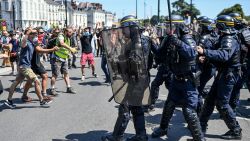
column 87, row 54
column 38, row 69
column 25, row 70
column 59, row 60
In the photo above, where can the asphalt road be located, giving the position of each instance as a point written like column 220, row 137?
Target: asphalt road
column 88, row 115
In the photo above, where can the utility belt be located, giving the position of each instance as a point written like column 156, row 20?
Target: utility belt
column 193, row 77
column 182, row 77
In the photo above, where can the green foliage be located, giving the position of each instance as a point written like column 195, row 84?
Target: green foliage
column 234, row 9
column 183, row 8
column 247, row 18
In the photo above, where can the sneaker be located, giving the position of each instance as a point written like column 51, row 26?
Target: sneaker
column 53, row 92
column 10, row 104
column 159, row 132
column 107, row 81
column 232, row 135
column 47, row 98
column 95, row 75
column 45, row 103
column 26, row 99
column 83, row 78
column 71, row 90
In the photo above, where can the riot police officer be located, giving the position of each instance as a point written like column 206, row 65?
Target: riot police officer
column 244, row 36
column 163, row 76
column 207, row 40
column 226, row 58
column 126, row 108
column 181, row 55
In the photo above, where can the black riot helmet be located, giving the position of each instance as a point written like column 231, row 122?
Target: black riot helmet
column 225, row 24
column 207, row 25
column 238, row 20
column 237, row 16
column 130, row 26
column 201, row 18
column 129, row 20
column 178, row 26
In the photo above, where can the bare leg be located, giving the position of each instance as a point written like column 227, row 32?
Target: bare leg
column 93, row 68
column 66, row 79
column 53, row 81
column 83, row 66
column 27, row 86
column 38, row 90
column 14, row 85
column 44, row 82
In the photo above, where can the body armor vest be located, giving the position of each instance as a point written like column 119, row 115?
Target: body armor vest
column 180, row 65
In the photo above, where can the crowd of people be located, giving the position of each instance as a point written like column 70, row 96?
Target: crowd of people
column 186, row 59
column 31, row 48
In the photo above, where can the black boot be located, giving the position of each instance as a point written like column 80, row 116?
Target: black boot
column 112, row 138
column 139, row 124
column 122, row 121
column 232, row 124
column 138, row 138
column 165, row 119
column 232, row 135
column 159, row 133
column 120, row 125
column 193, row 123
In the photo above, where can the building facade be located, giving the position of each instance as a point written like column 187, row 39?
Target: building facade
column 50, row 13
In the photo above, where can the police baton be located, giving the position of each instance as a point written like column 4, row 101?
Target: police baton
column 169, row 15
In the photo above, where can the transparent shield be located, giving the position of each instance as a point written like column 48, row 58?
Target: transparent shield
column 127, row 63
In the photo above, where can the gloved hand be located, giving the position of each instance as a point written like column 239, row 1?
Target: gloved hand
column 174, row 40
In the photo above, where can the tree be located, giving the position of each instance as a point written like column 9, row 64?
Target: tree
column 247, row 18
column 183, row 8
column 234, row 9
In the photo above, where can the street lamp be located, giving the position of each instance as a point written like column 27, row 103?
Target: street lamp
column 14, row 16
column 66, row 11
column 136, row 8
column 158, row 11
column 191, row 10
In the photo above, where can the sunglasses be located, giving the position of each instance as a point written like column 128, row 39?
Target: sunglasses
column 41, row 32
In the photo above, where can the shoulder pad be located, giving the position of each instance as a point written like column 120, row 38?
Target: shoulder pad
column 246, row 35
column 189, row 40
column 227, row 42
column 203, row 38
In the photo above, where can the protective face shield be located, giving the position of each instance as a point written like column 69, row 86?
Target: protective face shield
column 126, row 32
column 168, row 30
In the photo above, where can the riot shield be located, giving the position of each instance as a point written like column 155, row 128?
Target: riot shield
column 127, row 63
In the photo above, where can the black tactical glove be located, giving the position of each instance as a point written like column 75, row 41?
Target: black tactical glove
column 175, row 41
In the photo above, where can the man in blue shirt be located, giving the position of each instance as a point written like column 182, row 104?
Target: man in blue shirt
column 25, row 71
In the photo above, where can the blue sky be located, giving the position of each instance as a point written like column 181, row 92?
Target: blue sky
column 209, row 8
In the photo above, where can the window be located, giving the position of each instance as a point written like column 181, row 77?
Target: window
column 6, row 5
